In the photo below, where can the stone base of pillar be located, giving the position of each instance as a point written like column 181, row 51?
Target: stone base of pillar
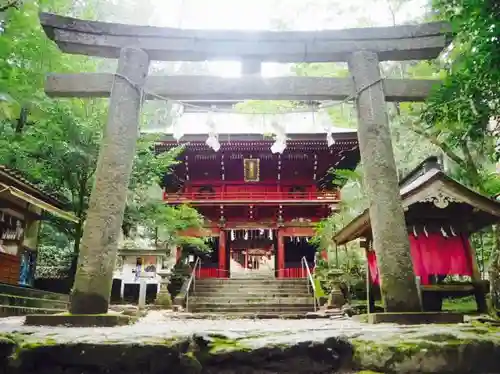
column 163, row 298
column 416, row 318
column 79, row 320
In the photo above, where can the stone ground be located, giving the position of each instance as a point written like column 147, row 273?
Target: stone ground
column 385, row 348
column 158, row 325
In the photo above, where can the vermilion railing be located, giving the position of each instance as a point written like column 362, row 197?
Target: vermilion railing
column 204, row 273
column 247, row 195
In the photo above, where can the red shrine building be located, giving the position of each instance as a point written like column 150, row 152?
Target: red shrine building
column 260, row 207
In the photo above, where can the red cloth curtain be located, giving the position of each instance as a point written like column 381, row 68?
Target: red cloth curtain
column 433, row 255
column 372, row 265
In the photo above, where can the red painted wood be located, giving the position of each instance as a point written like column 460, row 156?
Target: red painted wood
column 281, row 254
column 201, row 232
column 9, row 268
column 205, row 273
column 222, row 252
column 294, row 273
column 252, row 195
column 306, row 231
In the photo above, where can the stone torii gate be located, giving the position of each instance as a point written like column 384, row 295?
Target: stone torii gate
column 135, row 46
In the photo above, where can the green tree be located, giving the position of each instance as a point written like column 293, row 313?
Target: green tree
column 459, row 115
column 55, row 142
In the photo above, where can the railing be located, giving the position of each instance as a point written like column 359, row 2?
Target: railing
column 192, row 281
column 204, row 273
column 251, row 196
column 305, row 266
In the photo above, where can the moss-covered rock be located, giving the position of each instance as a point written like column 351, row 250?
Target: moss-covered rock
column 164, row 300
column 465, row 349
column 433, row 353
column 198, row 354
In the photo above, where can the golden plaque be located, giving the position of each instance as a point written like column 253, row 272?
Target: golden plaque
column 251, row 168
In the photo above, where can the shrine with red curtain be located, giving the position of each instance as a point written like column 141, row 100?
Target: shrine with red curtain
column 433, row 254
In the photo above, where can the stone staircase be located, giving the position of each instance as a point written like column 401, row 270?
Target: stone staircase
column 20, row 301
column 242, row 296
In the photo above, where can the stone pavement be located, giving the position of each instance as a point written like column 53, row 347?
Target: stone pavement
column 164, row 342
column 159, row 325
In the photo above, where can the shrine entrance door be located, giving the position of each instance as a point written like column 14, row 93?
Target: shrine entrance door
column 252, row 263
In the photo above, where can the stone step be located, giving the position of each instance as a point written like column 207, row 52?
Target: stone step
column 32, row 302
column 260, row 315
column 13, row 310
column 262, row 290
column 31, row 292
column 254, row 287
column 244, row 308
column 247, row 293
column 251, row 300
column 248, row 281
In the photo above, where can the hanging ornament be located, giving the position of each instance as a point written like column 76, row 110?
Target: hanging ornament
column 213, row 139
column 329, row 139
column 175, row 113
column 270, row 234
column 326, row 124
column 452, row 231
column 279, row 146
column 443, row 232
column 245, row 236
column 233, row 236
column 279, row 130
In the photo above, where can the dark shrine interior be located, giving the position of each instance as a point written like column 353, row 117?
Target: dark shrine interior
column 296, row 248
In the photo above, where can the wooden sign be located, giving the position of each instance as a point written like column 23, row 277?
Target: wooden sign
column 251, row 168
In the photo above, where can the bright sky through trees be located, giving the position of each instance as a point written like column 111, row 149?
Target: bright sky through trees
column 276, row 14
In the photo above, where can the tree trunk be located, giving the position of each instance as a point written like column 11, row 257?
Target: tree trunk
column 390, row 236
column 494, row 273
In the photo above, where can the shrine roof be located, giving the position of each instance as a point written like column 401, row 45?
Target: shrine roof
column 431, row 185
column 15, row 178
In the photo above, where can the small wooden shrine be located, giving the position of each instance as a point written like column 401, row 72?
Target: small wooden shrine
column 22, row 207
column 440, row 215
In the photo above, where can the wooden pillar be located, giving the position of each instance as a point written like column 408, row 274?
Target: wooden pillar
column 479, row 286
column 122, row 290
column 92, row 287
column 222, row 255
column 178, row 254
column 281, row 254
column 390, row 237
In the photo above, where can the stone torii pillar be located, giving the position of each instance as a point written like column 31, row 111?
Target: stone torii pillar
column 96, row 262
column 390, row 237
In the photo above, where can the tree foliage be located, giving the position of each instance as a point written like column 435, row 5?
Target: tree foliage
column 55, row 142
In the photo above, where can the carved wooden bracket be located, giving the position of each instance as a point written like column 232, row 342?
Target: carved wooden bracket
column 440, row 199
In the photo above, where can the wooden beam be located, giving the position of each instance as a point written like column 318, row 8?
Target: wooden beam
column 244, row 88
column 409, row 42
